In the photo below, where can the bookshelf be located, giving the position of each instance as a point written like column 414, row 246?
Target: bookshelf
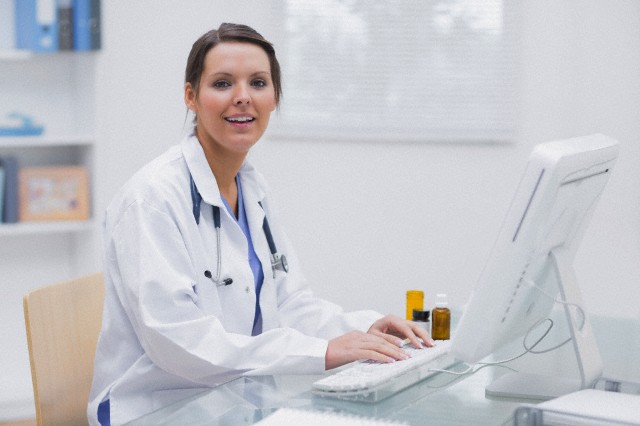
column 58, row 91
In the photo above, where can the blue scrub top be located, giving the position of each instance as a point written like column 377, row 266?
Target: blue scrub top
column 254, row 262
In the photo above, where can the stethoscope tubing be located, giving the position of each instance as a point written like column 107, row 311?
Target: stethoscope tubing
column 278, row 262
column 216, row 223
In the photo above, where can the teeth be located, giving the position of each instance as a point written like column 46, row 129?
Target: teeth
column 239, row 119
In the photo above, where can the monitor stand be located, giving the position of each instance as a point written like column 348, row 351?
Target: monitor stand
column 588, row 359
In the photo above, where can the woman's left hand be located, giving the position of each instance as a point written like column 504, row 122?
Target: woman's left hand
column 390, row 327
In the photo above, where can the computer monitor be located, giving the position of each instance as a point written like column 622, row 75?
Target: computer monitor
column 531, row 263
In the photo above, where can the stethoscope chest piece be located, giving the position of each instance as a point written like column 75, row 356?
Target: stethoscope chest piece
column 279, row 263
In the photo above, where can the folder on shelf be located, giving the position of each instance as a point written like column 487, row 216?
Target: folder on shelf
column 11, row 201
column 65, row 24
column 87, row 25
column 1, row 191
column 36, row 25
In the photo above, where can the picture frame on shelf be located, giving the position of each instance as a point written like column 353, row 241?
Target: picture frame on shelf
column 53, row 193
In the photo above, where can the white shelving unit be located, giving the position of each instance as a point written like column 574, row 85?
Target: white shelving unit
column 35, row 228
column 14, row 54
column 57, row 90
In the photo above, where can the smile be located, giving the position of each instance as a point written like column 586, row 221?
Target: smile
column 241, row 119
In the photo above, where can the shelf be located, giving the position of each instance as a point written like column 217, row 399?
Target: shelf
column 18, row 55
column 40, row 228
column 44, row 141
column 15, row 55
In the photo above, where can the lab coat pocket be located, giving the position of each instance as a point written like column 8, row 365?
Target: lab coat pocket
column 196, row 291
column 205, row 297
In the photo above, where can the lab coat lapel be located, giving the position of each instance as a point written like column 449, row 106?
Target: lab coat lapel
column 200, row 171
column 233, row 243
column 253, row 195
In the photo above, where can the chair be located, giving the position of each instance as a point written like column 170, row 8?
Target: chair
column 63, row 323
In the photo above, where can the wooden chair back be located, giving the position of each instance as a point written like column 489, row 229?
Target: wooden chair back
column 63, row 322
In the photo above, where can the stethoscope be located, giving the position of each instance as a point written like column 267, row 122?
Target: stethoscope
column 278, row 262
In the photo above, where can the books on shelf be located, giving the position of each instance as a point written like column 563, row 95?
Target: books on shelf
column 54, row 25
column 65, row 24
column 87, row 27
column 36, row 25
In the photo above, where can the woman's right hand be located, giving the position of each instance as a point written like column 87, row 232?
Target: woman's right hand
column 357, row 345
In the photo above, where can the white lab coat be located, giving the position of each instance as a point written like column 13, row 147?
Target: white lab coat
column 168, row 331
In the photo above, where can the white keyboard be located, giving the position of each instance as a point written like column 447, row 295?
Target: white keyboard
column 370, row 380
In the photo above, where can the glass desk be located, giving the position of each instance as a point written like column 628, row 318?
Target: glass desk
column 442, row 399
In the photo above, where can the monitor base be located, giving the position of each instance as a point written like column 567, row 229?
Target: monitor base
column 531, row 386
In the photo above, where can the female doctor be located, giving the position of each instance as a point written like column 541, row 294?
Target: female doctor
column 196, row 287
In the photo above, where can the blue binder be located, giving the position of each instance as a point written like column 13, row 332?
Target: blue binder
column 11, row 197
column 87, row 26
column 1, row 191
column 36, row 25
column 65, row 24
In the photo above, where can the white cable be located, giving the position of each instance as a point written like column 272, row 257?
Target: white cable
column 528, row 349
column 556, row 300
column 562, row 302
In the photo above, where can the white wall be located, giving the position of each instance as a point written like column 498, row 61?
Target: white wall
column 371, row 220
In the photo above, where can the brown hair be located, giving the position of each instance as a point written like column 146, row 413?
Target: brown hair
column 225, row 33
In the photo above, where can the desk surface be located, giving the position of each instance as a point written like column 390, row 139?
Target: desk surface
column 246, row 400
column 442, row 399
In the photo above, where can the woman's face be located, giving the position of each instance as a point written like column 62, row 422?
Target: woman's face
column 235, row 98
